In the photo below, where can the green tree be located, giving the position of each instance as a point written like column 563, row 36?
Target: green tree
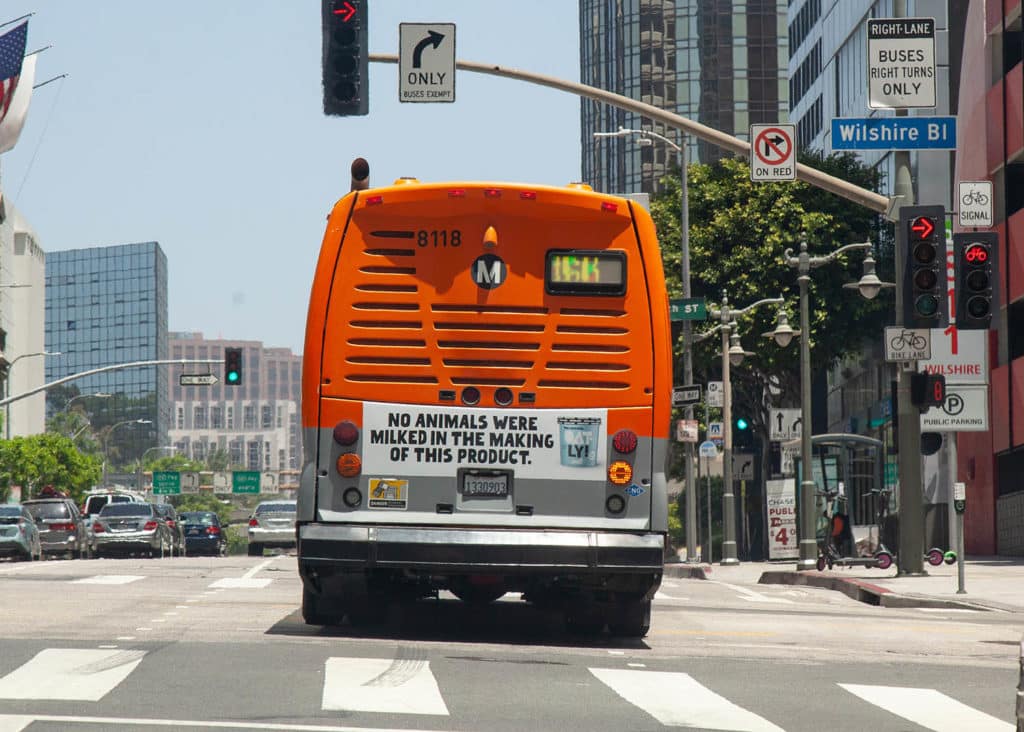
column 738, row 233
column 49, row 459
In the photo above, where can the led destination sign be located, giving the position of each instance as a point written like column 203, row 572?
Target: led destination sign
column 581, row 272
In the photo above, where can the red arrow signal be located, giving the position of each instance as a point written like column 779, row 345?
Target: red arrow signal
column 922, row 226
column 346, row 10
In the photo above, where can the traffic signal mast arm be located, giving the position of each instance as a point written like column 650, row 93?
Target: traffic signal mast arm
column 845, row 189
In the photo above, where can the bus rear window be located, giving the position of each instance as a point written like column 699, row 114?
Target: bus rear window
column 583, row 272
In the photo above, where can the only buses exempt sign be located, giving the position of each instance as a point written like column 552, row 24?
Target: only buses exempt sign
column 901, row 63
column 413, row 440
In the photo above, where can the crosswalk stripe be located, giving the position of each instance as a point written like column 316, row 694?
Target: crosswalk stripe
column 677, row 699
column 109, row 579
column 396, row 686
column 75, row 674
column 929, row 708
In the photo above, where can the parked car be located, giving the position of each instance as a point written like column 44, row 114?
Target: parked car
column 123, row 528
column 272, row 524
column 172, row 520
column 203, row 533
column 94, row 503
column 19, row 537
column 61, row 527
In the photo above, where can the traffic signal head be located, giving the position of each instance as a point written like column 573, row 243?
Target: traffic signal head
column 742, row 424
column 923, row 234
column 975, row 261
column 345, row 57
column 233, row 366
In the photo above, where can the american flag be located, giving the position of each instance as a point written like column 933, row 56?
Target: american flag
column 12, row 51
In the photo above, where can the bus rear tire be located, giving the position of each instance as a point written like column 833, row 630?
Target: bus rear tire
column 315, row 609
column 632, row 619
column 584, row 619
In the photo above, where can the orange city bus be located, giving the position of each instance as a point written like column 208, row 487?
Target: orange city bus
column 485, row 403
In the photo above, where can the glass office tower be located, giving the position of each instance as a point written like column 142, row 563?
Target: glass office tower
column 722, row 63
column 107, row 306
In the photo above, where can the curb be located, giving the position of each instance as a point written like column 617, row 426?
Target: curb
column 683, row 570
column 865, row 591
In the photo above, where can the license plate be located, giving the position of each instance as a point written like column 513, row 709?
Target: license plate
column 485, row 485
column 195, row 532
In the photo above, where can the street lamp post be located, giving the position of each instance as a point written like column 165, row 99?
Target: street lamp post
column 869, row 287
column 647, row 136
column 67, row 406
column 7, row 385
column 733, row 354
column 106, row 441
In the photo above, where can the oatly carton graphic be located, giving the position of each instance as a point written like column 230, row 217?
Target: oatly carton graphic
column 578, row 440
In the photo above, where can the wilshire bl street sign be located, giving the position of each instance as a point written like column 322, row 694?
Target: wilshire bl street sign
column 894, row 133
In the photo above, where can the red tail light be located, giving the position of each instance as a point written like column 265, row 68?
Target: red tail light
column 624, row 441
column 97, row 528
column 170, row 522
column 346, row 433
column 62, row 527
column 149, row 526
column 212, row 530
column 253, row 522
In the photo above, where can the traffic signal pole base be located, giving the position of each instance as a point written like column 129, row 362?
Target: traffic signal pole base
column 729, row 561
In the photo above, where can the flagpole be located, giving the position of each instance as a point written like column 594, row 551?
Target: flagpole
column 38, row 50
column 12, row 22
column 44, row 83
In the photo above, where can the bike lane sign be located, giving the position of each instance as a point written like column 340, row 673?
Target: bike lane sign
column 907, row 344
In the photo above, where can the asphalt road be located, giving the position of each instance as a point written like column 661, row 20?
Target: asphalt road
column 200, row 643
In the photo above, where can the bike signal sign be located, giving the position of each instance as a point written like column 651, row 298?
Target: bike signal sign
column 907, row 344
column 975, row 203
column 772, row 152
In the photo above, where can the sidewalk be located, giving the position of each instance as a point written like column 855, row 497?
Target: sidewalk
column 991, row 583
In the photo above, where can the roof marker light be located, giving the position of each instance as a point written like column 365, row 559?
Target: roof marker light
column 374, row 200
column 492, row 193
column 609, row 206
column 457, row 193
column 528, row 195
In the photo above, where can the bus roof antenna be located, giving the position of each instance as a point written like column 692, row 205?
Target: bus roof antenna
column 360, row 175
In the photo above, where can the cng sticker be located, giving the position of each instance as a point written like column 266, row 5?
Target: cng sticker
column 389, row 493
column 489, row 271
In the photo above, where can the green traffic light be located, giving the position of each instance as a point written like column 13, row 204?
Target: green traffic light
column 232, row 377
column 742, row 424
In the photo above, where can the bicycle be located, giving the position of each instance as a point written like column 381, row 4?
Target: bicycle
column 908, row 339
column 975, row 197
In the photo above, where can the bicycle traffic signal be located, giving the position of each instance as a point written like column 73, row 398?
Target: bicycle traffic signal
column 923, row 233
column 345, row 57
column 233, row 366
column 975, row 261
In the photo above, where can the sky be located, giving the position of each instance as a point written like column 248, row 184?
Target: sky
column 199, row 125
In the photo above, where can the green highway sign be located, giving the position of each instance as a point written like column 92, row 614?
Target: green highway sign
column 245, row 481
column 166, row 482
column 687, row 308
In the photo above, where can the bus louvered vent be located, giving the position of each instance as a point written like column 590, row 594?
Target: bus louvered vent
column 394, row 338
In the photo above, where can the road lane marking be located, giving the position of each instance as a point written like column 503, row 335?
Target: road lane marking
column 677, row 699
column 659, row 595
column 241, row 583
column 947, row 610
column 752, row 596
column 11, row 722
column 125, row 638
column 109, row 579
column 394, row 686
column 70, row 674
column 929, row 708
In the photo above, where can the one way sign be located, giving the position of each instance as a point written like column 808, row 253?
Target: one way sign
column 784, row 424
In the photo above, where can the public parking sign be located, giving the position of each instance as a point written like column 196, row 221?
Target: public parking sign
column 901, row 63
column 772, row 152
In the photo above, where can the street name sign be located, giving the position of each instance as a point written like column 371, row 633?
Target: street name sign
column 687, row 308
column 716, row 394
column 975, row 203
column 959, row 355
column 166, row 482
column 426, row 62
column 684, row 395
column 894, row 133
column 772, row 152
column 784, row 424
column 964, row 410
column 245, row 481
column 901, row 63
column 197, row 379
column 907, row 344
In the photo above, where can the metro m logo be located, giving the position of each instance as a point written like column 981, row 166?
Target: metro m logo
column 489, row 271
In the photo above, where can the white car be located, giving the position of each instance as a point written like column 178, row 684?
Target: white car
column 272, row 524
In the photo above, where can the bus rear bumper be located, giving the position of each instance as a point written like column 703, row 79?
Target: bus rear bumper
column 447, row 550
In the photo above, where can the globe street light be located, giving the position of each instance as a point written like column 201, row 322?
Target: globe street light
column 7, row 385
column 647, row 137
column 106, row 440
column 869, row 287
column 733, row 354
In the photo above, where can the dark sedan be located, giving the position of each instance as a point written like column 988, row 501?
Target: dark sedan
column 203, row 533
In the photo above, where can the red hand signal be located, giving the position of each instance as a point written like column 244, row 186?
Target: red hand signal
column 922, row 226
